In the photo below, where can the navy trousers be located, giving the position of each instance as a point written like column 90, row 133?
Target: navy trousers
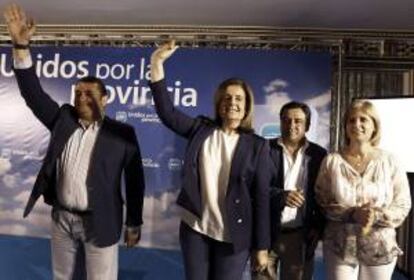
column 209, row 259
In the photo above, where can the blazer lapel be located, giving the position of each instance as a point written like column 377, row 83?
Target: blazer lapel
column 239, row 157
column 306, row 165
column 58, row 140
column 99, row 147
column 275, row 154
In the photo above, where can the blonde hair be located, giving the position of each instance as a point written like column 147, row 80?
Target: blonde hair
column 367, row 108
column 247, row 122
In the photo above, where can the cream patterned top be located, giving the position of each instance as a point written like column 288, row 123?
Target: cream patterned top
column 384, row 185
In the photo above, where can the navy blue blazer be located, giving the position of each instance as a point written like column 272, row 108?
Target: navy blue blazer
column 116, row 150
column 247, row 198
column 314, row 154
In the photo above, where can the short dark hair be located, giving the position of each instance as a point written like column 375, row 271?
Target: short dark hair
column 297, row 105
column 94, row 80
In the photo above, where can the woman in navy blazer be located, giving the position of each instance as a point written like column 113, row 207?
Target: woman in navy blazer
column 225, row 192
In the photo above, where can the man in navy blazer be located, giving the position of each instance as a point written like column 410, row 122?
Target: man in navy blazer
column 296, row 221
column 81, row 173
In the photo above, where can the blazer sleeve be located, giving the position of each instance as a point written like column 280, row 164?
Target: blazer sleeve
column 277, row 196
column 261, row 200
column 134, row 180
column 171, row 117
column 43, row 107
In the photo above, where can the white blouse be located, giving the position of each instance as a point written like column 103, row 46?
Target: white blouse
column 340, row 187
column 215, row 159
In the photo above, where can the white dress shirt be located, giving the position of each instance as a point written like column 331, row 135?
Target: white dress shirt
column 73, row 167
column 294, row 180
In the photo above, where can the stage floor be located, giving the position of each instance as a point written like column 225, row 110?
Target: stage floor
column 26, row 258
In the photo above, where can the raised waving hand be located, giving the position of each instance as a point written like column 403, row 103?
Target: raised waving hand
column 21, row 28
column 161, row 54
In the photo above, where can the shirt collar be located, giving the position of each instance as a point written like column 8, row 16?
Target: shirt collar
column 94, row 125
column 301, row 149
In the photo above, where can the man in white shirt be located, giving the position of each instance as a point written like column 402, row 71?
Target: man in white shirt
column 295, row 217
column 81, row 174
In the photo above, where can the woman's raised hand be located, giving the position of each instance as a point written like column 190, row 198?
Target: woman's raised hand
column 163, row 52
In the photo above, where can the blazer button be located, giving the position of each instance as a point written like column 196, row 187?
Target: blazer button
column 239, row 221
column 237, row 201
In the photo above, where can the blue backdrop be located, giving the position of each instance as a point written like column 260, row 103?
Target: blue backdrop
column 192, row 75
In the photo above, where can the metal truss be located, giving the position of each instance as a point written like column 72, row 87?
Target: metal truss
column 355, row 44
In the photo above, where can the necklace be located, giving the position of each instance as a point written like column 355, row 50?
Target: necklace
column 357, row 160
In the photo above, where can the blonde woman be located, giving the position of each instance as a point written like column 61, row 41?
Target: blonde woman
column 365, row 195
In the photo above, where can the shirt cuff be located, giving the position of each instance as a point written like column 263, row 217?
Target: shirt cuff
column 24, row 63
column 133, row 229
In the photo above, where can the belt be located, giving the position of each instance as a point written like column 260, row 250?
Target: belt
column 73, row 210
column 291, row 230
